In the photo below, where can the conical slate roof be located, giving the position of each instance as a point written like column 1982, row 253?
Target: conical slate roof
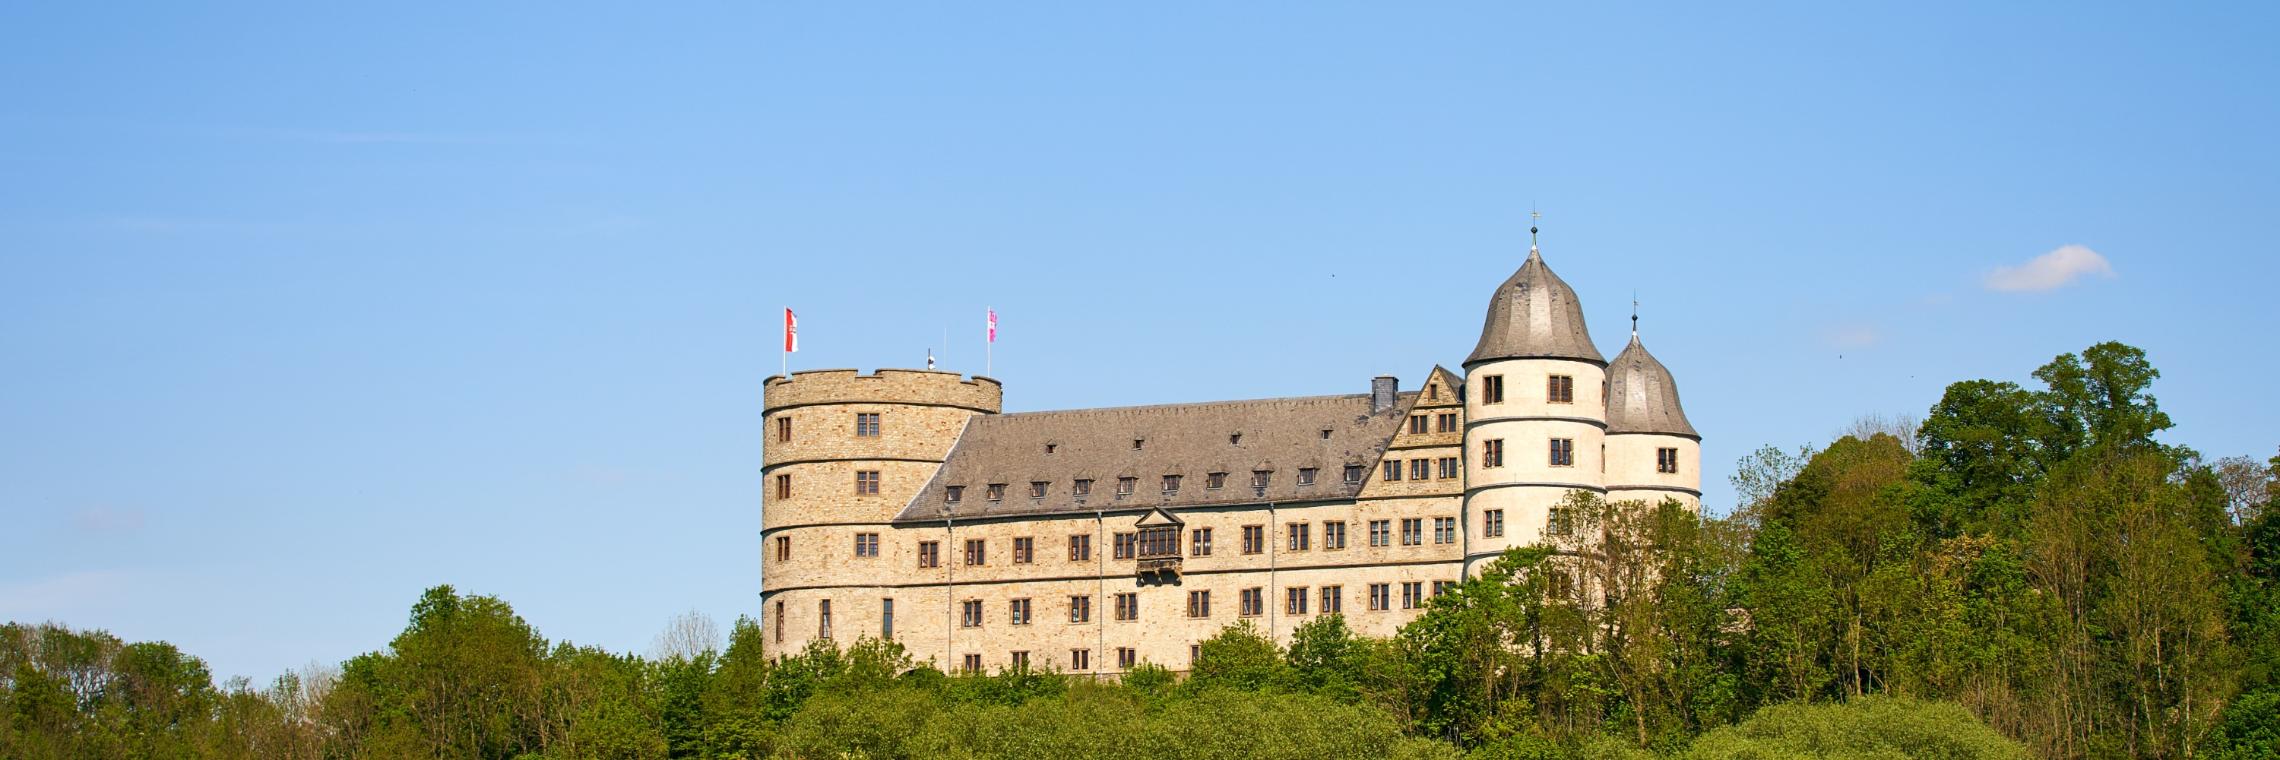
column 1534, row 315
column 1642, row 397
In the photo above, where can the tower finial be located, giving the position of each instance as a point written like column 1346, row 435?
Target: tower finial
column 1634, row 315
column 1533, row 217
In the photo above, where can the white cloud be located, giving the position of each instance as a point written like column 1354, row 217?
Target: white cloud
column 2050, row 271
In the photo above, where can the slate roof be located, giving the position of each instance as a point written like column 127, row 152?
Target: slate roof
column 1533, row 315
column 1189, row 440
column 1641, row 395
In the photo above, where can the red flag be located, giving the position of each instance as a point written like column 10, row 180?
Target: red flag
column 791, row 332
column 993, row 325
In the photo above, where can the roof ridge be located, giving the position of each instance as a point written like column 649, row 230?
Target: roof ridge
column 1188, row 404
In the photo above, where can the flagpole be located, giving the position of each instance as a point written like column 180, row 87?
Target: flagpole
column 989, row 344
column 784, row 352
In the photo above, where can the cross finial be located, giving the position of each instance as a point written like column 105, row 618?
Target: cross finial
column 1634, row 315
column 1533, row 217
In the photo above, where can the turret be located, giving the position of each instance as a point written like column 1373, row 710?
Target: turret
column 1653, row 453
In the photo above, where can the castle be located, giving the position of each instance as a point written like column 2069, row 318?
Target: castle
column 903, row 504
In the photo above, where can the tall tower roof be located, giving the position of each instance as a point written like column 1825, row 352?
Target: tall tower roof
column 1642, row 397
column 1534, row 315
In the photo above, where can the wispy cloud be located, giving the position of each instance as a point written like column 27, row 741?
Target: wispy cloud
column 2050, row 271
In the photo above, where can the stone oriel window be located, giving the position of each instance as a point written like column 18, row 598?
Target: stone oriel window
column 866, row 425
column 866, row 482
column 1254, row 602
column 1254, row 539
column 1334, row 535
column 1024, row 550
column 1563, row 452
column 1212, row 480
column 1080, row 547
column 929, row 554
column 1492, row 389
column 1306, row 476
column 1128, row 606
column 1353, row 473
column 1199, row 542
column 1333, row 600
column 977, row 551
column 953, row 494
column 1381, row 597
column 1082, row 487
column 1560, row 389
column 1492, row 523
column 1413, row 531
column 1199, row 604
column 1492, row 452
column 1666, row 460
column 994, row 492
column 1125, row 486
column 866, row 544
column 1037, row 489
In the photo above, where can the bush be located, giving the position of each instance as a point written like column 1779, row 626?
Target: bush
column 1871, row 727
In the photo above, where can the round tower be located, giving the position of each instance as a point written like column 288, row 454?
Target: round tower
column 843, row 453
column 1653, row 453
column 1535, row 416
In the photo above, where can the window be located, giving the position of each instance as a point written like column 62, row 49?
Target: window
column 1254, row 602
column 977, row 552
column 1259, row 478
column 1083, row 487
column 1448, row 467
column 1420, row 469
column 1492, row 452
column 1020, row 659
column 1412, row 531
column 1381, row 532
column 783, row 548
column 1666, row 460
column 1334, row 535
column 1392, row 469
column 1235, row 439
column 1381, row 597
column 866, row 544
column 1024, row 550
column 1127, row 545
column 887, row 619
column 1294, row 600
column 1432, row 392
column 1212, row 480
column 1171, row 484
column 1560, row 522
column 1444, row 530
column 970, row 613
column 1199, row 542
column 1445, row 422
column 994, row 492
column 779, row 622
column 866, row 425
column 1492, row 389
column 1037, row 488
column 1051, row 447
column 1417, row 424
column 1160, row 541
column 953, row 494
column 929, row 554
column 1306, row 476
column 1080, row 609
column 1080, row 659
column 1254, row 539
column 1442, row 587
column 783, row 486
column 1412, row 594
column 1124, row 486
column 783, row 428
column 1137, row 442
column 1195, row 654
column 823, row 618
column 1492, row 523
column 973, row 663
column 1562, row 586
column 1353, row 474
column 1080, row 547
column 1199, row 604
column 1563, row 452
column 1017, row 612
column 1560, row 389
column 1333, row 600
column 1128, row 606
column 866, row 482
column 1126, row 657
column 1301, row 536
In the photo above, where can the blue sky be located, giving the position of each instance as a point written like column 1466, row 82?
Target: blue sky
column 305, row 308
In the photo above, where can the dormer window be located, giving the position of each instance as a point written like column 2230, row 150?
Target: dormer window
column 1137, row 442
column 1050, row 447
column 1037, row 488
column 1325, row 434
column 995, row 492
column 1353, row 473
column 1259, row 478
column 1212, row 480
column 1171, row 484
column 952, row 494
column 1306, row 476
column 1125, row 486
column 1235, row 438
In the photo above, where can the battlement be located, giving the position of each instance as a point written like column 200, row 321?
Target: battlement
column 884, row 386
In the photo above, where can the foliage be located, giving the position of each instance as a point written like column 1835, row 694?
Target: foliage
column 1870, row 727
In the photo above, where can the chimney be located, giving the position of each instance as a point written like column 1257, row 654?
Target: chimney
column 1382, row 390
